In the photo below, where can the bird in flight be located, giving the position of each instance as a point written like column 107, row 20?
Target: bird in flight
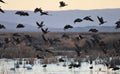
column 40, row 25
column 2, row 26
column 1, row 10
column 67, row 27
column 2, row 1
column 88, row 18
column 22, row 13
column 101, row 20
column 45, row 31
column 62, row 4
column 37, row 10
column 78, row 20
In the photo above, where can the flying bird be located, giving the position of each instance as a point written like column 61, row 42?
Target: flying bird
column 22, row 13
column 37, row 10
column 45, row 31
column 44, row 13
column 118, row 24
column 67, row 27
column 1, row 10
column 62, row 4
column 40, row 25
column 2, row 1
column 41, row 11
column 2, row 26
column 88, row 18
column 20, row 26
column 78, row 20
column 93, row 30
column 101, row 20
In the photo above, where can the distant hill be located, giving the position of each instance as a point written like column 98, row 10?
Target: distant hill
column 58, row 19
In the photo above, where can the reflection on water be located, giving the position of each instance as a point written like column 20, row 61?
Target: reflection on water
column 37, row 68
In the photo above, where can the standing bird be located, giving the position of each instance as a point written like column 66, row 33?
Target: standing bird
column 45, row 31
column 20, row 26
column 67, row 27
column 2, row 1
column 40, row 25
column 118, row 24
column 1, row 10
column 88, row 18
column 101, row 20
column 62, row 4
column 78, row 20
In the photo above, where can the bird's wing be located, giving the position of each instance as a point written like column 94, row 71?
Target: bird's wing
column 43, row 30
column 41, row 22
column 2, row 1
column 1, row 10
column 37, row 24
column 98, row 18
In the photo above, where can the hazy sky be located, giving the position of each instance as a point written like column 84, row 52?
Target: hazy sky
column 54, row 4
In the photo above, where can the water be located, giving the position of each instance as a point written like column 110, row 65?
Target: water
column 6, row 65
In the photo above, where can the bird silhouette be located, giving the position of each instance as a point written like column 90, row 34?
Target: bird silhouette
column 20, row 26
column 91, row 67
column 22, row 13
column 2, row 26
column 44, row 66
column 118, row 24
column 2, row 1
column 42, row 12
column 62, row 4
column 88, row 18
column 37, row 10
column 93, row 30
column 1, row 10
column 40, row 25
column 101, row 20
column 45, row 31
column 67, row 27
column 78, row 20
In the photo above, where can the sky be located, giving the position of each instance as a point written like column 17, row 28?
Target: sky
column 53, row 5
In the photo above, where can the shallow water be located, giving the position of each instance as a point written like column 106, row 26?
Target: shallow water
column 37, row 68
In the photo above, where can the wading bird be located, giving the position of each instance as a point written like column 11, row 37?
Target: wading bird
column 78, row 20
column 101, row 20
column 40, row 25
column 67, row 27
column 88, row 18
column 62, row 4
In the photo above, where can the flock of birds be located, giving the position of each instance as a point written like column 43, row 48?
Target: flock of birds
column 62, row 4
